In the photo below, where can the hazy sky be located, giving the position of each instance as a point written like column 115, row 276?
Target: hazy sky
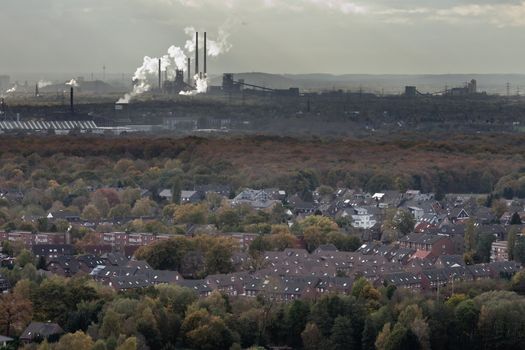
column 280, row 36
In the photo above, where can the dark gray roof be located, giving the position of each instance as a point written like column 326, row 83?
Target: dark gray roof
column 5, row 339
column 451, row 260
column 402, row 278
column 40, row 330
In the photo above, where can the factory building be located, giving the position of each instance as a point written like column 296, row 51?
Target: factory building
column 231, row 86
column 470, row 88
column 59, row 127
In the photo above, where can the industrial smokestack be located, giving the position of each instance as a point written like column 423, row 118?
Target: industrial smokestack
column 197, row 53
column 205, row 54
column 36, row 90
column 71, row 100
column 189, row 71
column 160, row 75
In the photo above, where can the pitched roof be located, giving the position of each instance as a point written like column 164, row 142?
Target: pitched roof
column 39, row 330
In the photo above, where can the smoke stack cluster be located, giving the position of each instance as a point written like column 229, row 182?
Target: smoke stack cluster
column 71, row 100
column 160, row 74
column 202, row 74
column 197, row 53
column 189, row 71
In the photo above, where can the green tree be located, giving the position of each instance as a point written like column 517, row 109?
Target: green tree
column 342, row 337
column 518, row 282
column 404, row 222
column 466, row 315
column 369, row 335
column 471, row 234
column 24, row 258
column 511, row 242
column 312, row 337
column 402, row 338
column 296, row 319
column 204, row 331
column 120, row 211
column 519, row 249
column 515, row 219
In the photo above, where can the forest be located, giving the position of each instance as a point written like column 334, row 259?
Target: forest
column 479, row 315
column 99, row 177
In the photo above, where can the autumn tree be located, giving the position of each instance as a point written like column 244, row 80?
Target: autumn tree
column 190, row 214
column 312, row 337
column 143, row 207
column 78, row 341
column 15, row 313
column 91, row 213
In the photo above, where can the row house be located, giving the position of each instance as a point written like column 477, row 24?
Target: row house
column 119, row 240
column 50, row 251
column 29, row 239
column 406, row 280
column 230, row 284
column 433, row 245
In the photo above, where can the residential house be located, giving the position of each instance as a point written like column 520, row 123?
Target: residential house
column 499, row 251
column 299, row 206
column 444, row 261
column 257, row 199
column 198, row 286
column 4, row 341
column 63, row 265
column 38, row 331
column 504, row 269
column 432, row 245
column 191, row 197
column 63, row 215
column 166, row 194
column 50, row 251
column 406, row 280
column 335, row 285
column 361, row 218
column 458, row 215
column 221, row 190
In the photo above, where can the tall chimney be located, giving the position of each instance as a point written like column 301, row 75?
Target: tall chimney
column 205, row 54
column 71, row 98
column 197, row 53
column 36, row 90
column 189, row 71
column 160, row 75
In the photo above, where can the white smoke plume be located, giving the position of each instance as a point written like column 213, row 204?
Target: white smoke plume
column 11, row 90
column 72, row 83
column 201, row 86
column 43, row 83
column 214, row 47
column 146, row 75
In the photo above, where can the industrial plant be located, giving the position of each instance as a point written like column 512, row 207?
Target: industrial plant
column 175, row 93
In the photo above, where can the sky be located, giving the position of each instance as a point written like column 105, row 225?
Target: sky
column 276, row 36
